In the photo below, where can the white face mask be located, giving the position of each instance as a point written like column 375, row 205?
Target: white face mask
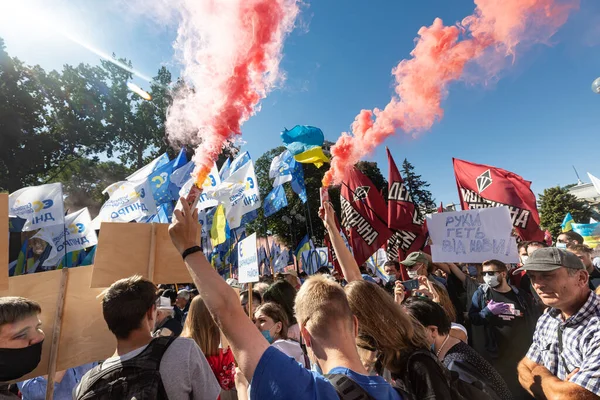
column 491, row 280
column 561, row 246
column 413, row 274
column 524, row 259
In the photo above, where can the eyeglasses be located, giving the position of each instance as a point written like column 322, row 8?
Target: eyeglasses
column 490, row 273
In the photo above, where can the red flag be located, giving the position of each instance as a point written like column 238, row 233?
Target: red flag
column 548, row 237
column 402, row 213
column 441, row 208
column 482, row 186
column 363, row 215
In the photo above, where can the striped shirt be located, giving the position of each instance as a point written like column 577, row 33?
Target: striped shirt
column 580, row 343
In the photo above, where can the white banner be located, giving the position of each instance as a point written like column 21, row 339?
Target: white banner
column 128, row 202
column 240, row 194
column 473, row 236
column 375, row 263
column 76, row 234
column 40, row 205
column 314, row 259
column 248, row 260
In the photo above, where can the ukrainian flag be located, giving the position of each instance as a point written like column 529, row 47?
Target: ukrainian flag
column 305, row 244
column 305, row 144
column 567, row 224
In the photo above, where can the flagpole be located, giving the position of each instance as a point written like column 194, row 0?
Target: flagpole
column 312, row 234
column 268, row 249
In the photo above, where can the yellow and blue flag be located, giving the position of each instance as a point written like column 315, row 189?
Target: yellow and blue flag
column 305, row 143
column 589, row 232
column 567, row 224
column 304, row 245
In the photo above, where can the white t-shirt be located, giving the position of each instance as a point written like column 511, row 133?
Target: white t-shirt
column 184, row 371
column 291, row 349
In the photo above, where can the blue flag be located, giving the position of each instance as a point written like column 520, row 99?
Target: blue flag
column 298, row 185
column 249, row 217
column 302, row 138
column 275, row 201
column 160, row 178
column 239, row 162
column 225, row 169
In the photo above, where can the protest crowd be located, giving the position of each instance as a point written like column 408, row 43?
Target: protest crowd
column 403, row 327
column 179, row 286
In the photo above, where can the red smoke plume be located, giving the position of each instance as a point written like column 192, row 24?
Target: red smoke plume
column 441, row 52
column 230, row 50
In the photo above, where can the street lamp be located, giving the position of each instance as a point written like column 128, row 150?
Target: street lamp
column 596, row 86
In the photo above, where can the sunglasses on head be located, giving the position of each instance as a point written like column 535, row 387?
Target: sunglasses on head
column 490, row 273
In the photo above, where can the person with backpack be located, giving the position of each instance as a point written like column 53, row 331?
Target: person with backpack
column 144, row 367
column 457, row 356
column 326, row 325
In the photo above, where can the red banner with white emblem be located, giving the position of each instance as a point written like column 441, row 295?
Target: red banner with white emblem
column 483, row 186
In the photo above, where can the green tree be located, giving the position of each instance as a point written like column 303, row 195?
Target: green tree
column 84, row 180
column 555, row 203
column 417, row 188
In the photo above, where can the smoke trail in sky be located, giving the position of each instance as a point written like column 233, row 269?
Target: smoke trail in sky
column 230, row 51
column 494, row 30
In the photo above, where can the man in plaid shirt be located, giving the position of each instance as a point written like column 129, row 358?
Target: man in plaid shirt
column 563, row 361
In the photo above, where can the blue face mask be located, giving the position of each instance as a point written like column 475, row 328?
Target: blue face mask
column 472, row 270
column 561, row 246
column 267, row 334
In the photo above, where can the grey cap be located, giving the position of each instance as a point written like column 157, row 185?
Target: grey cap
column 549, row 259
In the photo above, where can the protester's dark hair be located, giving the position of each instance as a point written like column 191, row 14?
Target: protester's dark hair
column 574, row 236
column 324, row 271
column 256, row 298
column 277, row 314
column 303, row 275
column 200, row 326
column 171, row 294
column 496, row 263
column 14, row 309
column 534, row 243
column 392, row 263
column 428, row 313
column 363, row 269
column 284, row 294
column 580, row 247
column 126, row 302
column 523, row 245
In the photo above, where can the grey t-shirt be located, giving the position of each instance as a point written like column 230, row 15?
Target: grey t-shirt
column 184, row 371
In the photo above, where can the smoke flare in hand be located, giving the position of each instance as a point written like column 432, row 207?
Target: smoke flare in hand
column 230, row 50
column 439, row 58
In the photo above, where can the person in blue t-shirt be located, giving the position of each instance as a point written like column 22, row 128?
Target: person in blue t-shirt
column 326, row 323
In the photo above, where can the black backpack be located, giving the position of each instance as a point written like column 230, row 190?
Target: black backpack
column 137, row 378
column 459, row 389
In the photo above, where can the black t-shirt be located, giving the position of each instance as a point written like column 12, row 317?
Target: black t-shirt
column 426, row 379
column 470, row 365
column 594, row 280
column 512, row 333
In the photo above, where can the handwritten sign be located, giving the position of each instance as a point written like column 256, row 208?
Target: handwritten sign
column 472, row 236
column 248, row 260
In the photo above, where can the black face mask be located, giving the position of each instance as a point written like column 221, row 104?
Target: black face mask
column 14, row 363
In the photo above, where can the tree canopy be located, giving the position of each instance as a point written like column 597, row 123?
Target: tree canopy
column 555, row 203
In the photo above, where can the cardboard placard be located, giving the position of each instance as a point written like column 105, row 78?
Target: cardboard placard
column 473, row 236
column 43, row 287
column 248, row 260
column 84, row 335
column 3, row 241
column 137, row 249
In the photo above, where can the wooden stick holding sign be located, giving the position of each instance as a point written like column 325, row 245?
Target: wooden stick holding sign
column 250, row 298
column 4, row 241
column 60, row 305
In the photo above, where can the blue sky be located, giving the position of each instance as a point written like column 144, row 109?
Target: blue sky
column 539, row 119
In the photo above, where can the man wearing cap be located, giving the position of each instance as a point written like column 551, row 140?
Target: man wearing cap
column 563, row 361
column 166, row 324
column 417, row 264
